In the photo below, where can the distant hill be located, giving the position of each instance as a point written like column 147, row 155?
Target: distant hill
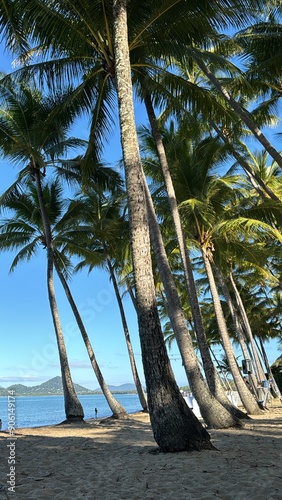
column 54, row 387
column 120, row 388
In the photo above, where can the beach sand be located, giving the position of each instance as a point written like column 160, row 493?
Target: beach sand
column 112, row 459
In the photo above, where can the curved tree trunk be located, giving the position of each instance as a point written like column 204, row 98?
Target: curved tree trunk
column 241, row 112
column 247, row 398
column 115, row 406
column 257, row 362
column 213, row 412
column 139, row 388
column 73, row 407
column 275, row 389
column 237, row 323
column 210, row 372
column 174, row 425
column 255, row 179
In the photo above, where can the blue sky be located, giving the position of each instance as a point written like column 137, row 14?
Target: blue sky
column 28, row 350
column 28, row 347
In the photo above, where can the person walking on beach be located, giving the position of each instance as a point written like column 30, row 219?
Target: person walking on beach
column 96, row 412
column 0, row 424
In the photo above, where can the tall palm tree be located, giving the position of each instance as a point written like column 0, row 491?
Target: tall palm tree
column 26, row 231
column 26, row 136
column 155, row 16
column 174, row 426
column 213, row 413
column 20, row 232
column 199, row 195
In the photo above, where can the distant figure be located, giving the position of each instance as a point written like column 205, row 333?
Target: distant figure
column 247, row 382
column 0, row 424
column 96, row 412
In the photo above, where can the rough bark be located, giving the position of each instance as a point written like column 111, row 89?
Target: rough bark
column 174, row 425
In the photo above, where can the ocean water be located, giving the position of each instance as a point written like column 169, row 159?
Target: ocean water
column 36, row 411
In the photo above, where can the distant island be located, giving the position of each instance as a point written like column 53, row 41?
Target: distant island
column 54, row 387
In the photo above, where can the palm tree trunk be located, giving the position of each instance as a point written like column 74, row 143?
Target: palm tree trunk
column 174, row 425
column 115, row 406
column 246, row 397
column 237, row 322
column 275, row 389
column 241, row 112
column 255, row 179
column 139, row 388
column 257, row 362
column 73, row 407
column 215, row 413
column 210, row 372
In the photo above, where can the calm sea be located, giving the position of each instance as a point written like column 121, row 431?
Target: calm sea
column 47, row 410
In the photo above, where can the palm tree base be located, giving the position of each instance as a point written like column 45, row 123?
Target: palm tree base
column 72, row 420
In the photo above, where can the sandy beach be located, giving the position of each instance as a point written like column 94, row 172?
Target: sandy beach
column 111, row 459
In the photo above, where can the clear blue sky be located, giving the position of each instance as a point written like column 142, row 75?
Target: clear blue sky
column 28, row 348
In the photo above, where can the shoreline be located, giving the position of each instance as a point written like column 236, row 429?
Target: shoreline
column 112, row 459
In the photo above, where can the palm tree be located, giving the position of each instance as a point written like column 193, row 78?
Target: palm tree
column 102, row 47
column 199, row 194
column 103, row 231
column 28, row 232
column 21, row 232
column 213, row 413
column 27, row 136
column 174, row 426
column 211, row 375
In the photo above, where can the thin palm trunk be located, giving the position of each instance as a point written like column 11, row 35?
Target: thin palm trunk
column 73, row 407
column 115, row 406
column 241, row 112
column 174, row 425
column 237, row 323
column 275, row 389
column 223, row 376
column 138, row 385
column 246, row 397
column 255, row 179
column 257, row 361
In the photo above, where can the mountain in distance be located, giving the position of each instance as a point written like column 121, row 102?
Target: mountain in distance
column 119, row 388
column 54, row 387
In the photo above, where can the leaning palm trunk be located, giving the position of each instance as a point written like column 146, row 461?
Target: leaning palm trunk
column 257, row 362
column 275, row 389
column 264, row 190
column 241, row 112
column 73, row 408
column 174, row 425
column 213, row 412
column 138, row 385
column 115, row 406
column 210, row 372
column 237, row 323
column 246, row 397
